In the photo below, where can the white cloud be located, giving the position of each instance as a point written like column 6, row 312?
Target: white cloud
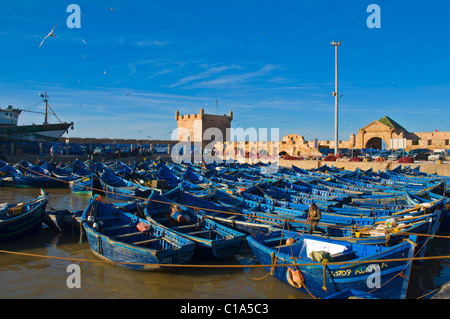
column 211, row 70
column 239, row 78
column 151, row 43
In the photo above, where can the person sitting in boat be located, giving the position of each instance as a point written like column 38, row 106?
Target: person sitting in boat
column 314, row 216
column 176, row 215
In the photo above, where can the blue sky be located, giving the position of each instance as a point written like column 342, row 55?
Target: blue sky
column 126, row 71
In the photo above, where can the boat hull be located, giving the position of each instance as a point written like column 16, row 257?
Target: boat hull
column 120, row 240
column 34, row 133
column 28, row 222
column 393, row 275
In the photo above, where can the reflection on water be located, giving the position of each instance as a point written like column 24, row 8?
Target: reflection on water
column 35, row 277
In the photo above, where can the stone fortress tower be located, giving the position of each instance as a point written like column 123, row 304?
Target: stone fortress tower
column 192, row 127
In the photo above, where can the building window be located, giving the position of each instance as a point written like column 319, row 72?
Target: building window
column 429, row 142
column 447, row 142
column 415, row 142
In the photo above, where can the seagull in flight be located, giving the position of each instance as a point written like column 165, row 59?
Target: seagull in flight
column 49, row 35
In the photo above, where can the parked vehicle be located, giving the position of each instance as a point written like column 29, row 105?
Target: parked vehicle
column 437, row 155
column 419, row 153
column 383, row 154
column 396, row 155
column 354, row 153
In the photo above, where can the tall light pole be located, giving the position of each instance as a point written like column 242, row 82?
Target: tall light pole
column 336, row 97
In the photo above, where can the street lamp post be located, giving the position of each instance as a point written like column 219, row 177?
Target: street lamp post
column 336, row 97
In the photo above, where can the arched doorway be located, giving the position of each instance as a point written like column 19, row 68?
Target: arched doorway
column 375, row 143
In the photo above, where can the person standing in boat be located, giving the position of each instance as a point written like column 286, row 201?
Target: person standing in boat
column 314, row 216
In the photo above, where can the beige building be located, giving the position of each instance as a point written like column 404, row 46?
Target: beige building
column 374, row 135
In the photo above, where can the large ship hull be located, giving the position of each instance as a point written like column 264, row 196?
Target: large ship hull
column 34, row 133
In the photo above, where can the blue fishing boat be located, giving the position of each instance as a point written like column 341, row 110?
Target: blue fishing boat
column 86, row 185
column 64, row 220
column 351, row 294
column 21, row 219
column 43, row 181
column 6, row 174
column 171, row 177
column 213, row 239
column 321, row 266
column 131, row 242
column 224, row 215
column 119, row 188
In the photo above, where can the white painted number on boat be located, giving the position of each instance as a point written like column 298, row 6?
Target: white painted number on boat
column 74, row 279
column 374, row 280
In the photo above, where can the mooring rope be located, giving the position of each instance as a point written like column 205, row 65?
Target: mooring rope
column 224, row 265
column 279, row 218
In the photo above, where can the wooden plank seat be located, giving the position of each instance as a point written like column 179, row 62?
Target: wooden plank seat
column 128, row 234
column 147, row 241
column 201, row 232
column 184, row 227
column 107, row 229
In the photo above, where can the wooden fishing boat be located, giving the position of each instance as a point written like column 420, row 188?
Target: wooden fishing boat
column 64, row 220
column 39, row 177
column 298, row 260
column 224, row 215
column 6, row 174
column 132, row 242
column 351, row 294
column 119, row 188
column 213, row 239
column 427, row 199
column 197, row 178
column 21, row 219
column 169, row 175
column 86, row 185
column 22, row 180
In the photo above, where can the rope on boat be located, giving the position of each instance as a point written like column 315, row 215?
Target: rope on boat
column 221, row 266
column 274, row 257
column 272, row 265
column 351, row 227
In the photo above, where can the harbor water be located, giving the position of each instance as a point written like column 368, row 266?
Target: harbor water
column 41, row 268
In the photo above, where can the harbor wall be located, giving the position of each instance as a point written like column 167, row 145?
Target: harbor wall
column 430, row 168
column 426, row 167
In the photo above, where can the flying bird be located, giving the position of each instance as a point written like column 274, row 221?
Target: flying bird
column 49, row 35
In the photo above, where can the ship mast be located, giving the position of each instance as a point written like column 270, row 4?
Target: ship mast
column 45, row 97
column 46, row 107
